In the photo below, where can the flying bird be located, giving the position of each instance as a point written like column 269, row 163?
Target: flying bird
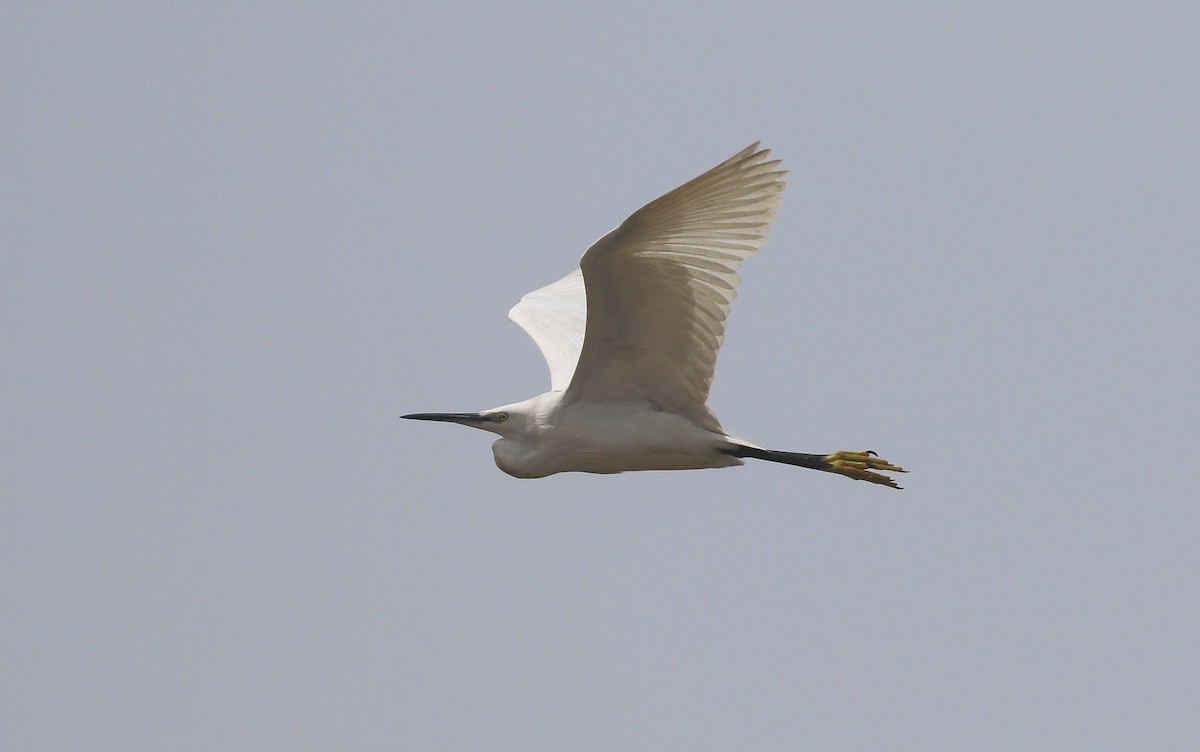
column 631, row 340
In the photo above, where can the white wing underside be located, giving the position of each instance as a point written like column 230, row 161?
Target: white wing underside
column 644, row 316
column 554, row 316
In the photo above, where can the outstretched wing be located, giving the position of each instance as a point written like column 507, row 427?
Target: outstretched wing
column 554, row 317
column 659, row 288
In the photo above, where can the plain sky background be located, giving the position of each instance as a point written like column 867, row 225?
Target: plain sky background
column 238, row 240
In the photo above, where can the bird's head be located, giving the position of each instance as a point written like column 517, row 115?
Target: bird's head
column 508, row 420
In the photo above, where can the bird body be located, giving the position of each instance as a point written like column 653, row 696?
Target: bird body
column 631, row 340
column 547, row 435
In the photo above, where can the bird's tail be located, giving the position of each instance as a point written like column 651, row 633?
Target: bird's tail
column 856, row 465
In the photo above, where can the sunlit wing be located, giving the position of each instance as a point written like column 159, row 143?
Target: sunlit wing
column 659, row 288
column 554, row 317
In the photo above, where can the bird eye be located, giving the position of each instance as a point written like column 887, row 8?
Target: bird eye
column 501, row 417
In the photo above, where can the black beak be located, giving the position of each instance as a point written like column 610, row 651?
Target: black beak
column 466, row 419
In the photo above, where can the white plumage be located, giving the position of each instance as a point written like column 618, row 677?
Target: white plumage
column 631, row 340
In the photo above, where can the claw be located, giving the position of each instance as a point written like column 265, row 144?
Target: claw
column 861, row 466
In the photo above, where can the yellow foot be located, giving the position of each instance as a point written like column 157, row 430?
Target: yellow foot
column 860, row 466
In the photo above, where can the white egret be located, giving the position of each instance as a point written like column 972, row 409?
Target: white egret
column 631, row 339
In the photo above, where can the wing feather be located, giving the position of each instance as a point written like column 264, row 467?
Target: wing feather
column 554, row 317
column 659, row 288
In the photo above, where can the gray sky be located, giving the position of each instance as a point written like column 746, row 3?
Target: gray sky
column 238, row 242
